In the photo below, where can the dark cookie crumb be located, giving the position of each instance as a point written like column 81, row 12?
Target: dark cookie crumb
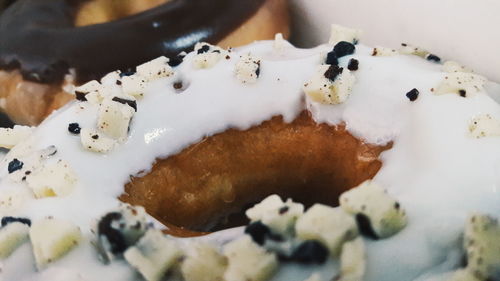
column 258, row 231
column 131, row 103
column 331, row 58
column 462, row 93
column 177, row 85
column 412, row 95
column 310, row 251
column 15, row 165
column 353, row 65
column 344, row 48
column 7, row 220
column 115, row 237
column 175, row 61
column 333, row 71
column 432, row 57
column 365, row 226
column 283, row 210
column 127, row 73
column 257, row 71
column 95, row 137
column 80, row 96
column 203, row 49
column 118, row 82
column 74, row 128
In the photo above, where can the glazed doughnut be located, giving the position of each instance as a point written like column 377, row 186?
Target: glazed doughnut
column 409, row 142
column 34, row 76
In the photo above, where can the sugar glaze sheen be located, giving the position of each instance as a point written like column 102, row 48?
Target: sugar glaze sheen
column 435, row 168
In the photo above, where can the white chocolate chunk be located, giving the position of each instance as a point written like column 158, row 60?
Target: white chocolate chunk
column 279, row 43
column 482, row 243
column 248, row 261
column 247, row 69
column 11, row 237
column 279, row 216
column 56, row 179
column 30, row 163
column 453, row 66
column 204, row 263
column 323, row 90
column 114, row 119
column 111, row 78
column 330, row 226
column 12, row 199
column 95, row 141
column 155, row 69
column 463, row 275
column 340, row 33
column 385, row 214
column 209, row 58
column 134, row 85
column 484, row 125
column 129, row 222
column 153, row 255
column 407, row 49
column 384, row 52
column 90, row 87
column 352, row 260
column 9, row 137
column 52, row 239
column 461, row 83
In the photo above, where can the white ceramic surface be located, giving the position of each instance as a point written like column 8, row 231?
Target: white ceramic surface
column 462, row 30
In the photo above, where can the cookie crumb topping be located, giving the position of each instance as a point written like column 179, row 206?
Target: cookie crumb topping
column 458, row 82
column 353, row 65
column 52, row 239
column 207, row 55
column 482, row 243
column 378, row 215
column 9, row 137
column 484, row 125
column 15, row 165
column 247, row 69
column 330, row 85
column 74, row 128
column 412, row 95
column 340, row 33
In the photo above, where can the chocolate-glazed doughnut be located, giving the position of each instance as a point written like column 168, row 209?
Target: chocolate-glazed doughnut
column 39, row 39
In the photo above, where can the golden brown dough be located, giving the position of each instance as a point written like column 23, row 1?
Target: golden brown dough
column 205, row 183
column 28, row 103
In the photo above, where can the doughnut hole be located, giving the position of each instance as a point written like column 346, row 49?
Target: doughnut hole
column 209, row 185
column 100, row 11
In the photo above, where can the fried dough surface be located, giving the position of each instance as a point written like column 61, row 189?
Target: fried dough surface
column 204, row 184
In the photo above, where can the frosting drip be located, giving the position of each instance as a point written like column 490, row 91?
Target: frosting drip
column 434, row 169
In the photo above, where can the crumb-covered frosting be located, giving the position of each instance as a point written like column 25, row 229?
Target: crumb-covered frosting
column 435, row 168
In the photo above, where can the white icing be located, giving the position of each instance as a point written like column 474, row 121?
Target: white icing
column 434, row 169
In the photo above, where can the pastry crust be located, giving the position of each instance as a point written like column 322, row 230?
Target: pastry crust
column 202, row 186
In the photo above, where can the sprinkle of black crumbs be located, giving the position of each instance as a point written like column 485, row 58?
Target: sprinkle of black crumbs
column 74, row 128
column 127, row 73
column 175, row 61
column 331, row 58
column 95, row 137
column 432, row 57
column 353, row 65
column 7, row 220
column 118, row 82
column 131, row 103
column 344, row 48
column 258, row 231
column 203, row 49
column 333, row 71
column 15, row 165
column 365, row 226
column 283, row 210
column 80, row 96
column 412, row 95
column 310, row 251
column 114, row 236
column 257, row 71
column 462, row 93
